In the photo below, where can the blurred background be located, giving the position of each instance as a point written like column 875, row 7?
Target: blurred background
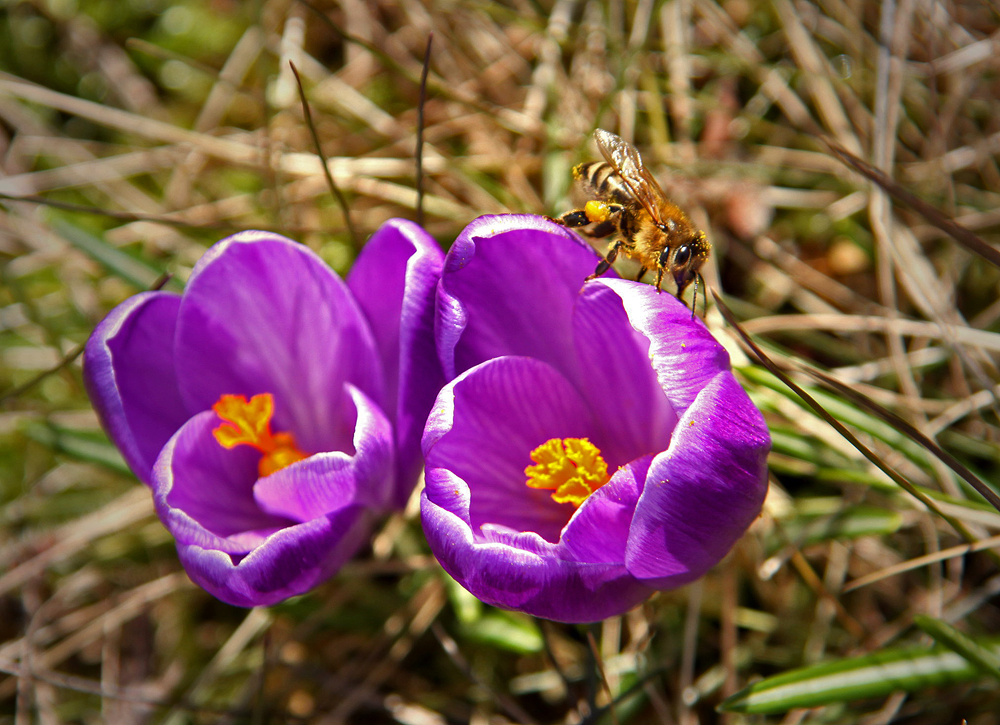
column 135, row 134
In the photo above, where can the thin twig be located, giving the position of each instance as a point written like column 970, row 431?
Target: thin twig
column 907, row 429
column 837, row 425
column 420, row 131
column 339, row 197
column 968, row 239
column 596, row 654
column 920, row 561
column 545, row 626
column 120, row 215
column 450, row 647
column 29, row 384
column 88, row 686
column 517, row 122
column 69, row 358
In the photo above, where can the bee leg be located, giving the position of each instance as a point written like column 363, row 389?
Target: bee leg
column 642, row 273
column 601, row 214
column 605, row 264
column 604, row 229
column 575, row 218
column 578, row 220
column 659, row 280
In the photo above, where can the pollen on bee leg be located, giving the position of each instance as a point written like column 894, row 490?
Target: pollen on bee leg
column 248, row 422
column 596, row 211
column 571, row 467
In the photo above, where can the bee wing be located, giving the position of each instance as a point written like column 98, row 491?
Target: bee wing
column 624, row 158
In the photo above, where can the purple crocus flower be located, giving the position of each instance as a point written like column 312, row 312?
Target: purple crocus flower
column 273, row 409
column 592, row 444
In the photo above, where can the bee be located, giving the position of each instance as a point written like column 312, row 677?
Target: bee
column 631, row 205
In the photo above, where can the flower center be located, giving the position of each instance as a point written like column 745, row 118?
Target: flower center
column 571, row 467
column 248, row 422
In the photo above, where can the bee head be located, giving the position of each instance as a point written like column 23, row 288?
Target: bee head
column 685, row 259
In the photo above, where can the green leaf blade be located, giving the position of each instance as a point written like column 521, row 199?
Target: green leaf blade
column 875, row 675
column 963, row 645
column 123, row 265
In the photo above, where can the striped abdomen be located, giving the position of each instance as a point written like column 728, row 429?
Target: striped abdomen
column 601, row 181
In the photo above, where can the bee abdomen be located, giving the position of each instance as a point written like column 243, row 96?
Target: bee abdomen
column 601, row 179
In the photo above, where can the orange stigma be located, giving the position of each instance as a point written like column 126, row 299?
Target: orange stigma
column 248, row 422
column 572, row 467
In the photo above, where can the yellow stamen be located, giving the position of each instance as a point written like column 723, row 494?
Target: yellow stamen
column 248, row 422
column 571, row 467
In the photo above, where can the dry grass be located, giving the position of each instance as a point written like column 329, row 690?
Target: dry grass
column 185, row 123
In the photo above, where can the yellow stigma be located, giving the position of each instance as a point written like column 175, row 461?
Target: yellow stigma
column 248, row 422
column 571, row 467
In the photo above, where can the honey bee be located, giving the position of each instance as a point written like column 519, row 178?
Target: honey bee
column 631, row 205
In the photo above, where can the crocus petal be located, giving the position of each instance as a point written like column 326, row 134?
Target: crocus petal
column 394, row 281
column 634, row 414
column 483, row 428
column 326, row 482
column 704, row 491
column 289, row 562
column 204, row 492
column 682, row 351
column 508, row 288
column 128, row 368
column 227, row 544
column 598, row 531
column 511, row 572
column 263, row 314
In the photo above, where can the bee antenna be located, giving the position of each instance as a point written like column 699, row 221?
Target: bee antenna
column 334, row 189
column 420, row 130
column 694, row 300
column 699, row 281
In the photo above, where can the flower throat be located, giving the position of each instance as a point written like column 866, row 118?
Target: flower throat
column 571, row 467
column 248, row 422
